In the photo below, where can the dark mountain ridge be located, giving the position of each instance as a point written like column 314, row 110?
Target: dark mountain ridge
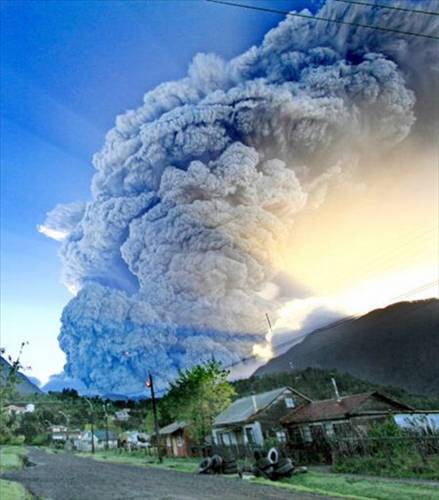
column 397, row 345
column 24, row 386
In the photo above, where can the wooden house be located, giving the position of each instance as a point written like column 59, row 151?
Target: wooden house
column 253, row 419
column 340, row 417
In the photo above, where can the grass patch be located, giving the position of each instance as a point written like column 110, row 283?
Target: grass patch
column 11, row 458
column 403, row 466
column 139, row 458
column 10, row 490
column 359, row 489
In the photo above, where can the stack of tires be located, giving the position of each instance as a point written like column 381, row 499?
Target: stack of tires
column 218, row 465
column 272, row 466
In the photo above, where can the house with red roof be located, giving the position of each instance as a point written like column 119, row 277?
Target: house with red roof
column 340, row 417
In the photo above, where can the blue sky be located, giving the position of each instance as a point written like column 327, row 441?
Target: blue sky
column 68, row 68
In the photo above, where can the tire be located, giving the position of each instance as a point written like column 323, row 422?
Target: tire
column 216, row 462
column 267, row 473
column 286, row 469
column 205, row 466
column 231, row 470
column 284, row 462
column 228, row 461
column 264, row 464
column 273, row 455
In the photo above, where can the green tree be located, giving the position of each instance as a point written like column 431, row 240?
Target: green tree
column 197, row 397
column 8, row 382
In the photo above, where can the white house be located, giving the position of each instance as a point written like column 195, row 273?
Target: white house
column 84, row 441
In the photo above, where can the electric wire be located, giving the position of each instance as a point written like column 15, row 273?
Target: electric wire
column 320, row 18
column 389, row 7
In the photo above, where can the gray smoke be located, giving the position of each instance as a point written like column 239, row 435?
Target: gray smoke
column 196, row 189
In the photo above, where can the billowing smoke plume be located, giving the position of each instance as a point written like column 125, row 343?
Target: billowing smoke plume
column 174, row 256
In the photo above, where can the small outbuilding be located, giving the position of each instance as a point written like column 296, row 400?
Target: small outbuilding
column 176, row 439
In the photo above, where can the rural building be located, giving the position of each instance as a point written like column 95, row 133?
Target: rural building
column 84, row 441
column 134, row 440
column 176, row 439
column 122, row 415
column 20, row 409
column 253, row 419
column 341, row 417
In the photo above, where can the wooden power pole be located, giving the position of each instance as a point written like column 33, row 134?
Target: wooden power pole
column 150, row 385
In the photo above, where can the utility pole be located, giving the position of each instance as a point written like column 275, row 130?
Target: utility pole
column 92, row 426
column 68, row 423
column 150, row 385
column 106, row 426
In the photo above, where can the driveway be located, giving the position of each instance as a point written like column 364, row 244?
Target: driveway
column 67, row 477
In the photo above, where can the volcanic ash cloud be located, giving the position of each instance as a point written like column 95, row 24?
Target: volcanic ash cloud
column 196, row 190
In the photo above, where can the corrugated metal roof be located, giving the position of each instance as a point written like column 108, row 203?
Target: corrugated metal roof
column 171, row 428
column 243, row 408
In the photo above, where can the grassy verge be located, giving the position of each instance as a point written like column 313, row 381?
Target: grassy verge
column 12, row 458
column 139, row 458
column 348, row 487
column 407, row 466
column 334, row 485
column 9, row 490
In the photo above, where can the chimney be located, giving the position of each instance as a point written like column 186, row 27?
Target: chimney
column 255, row 406
column 337, row 394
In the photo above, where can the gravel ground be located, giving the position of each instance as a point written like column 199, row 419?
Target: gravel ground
column 67, row 477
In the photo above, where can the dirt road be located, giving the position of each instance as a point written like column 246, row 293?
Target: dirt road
column 67, row 477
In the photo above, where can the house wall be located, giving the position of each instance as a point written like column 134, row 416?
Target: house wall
column 269, row 418
column 307, row 432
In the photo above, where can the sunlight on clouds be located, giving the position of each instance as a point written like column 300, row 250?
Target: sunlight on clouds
column 55, row 234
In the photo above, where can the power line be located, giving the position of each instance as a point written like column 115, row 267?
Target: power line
column 342, row 321
column 390, row 7
column 320, row 18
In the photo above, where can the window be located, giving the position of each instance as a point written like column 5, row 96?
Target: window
column 250, row 435
column 289, row 403
column 225, row 438
column 281, row 436
column 329, row 429
column 306, row 434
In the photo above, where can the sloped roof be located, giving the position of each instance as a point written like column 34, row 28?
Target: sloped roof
column 242, row 409
column 329, row 409
column 174, row 427
column 102, row 436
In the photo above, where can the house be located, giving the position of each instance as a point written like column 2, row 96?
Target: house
column 134, row 440
column 253, row 419
column 20, row 409
column 60, row 433
column 84, row 441
column 176, row 439
column 340, row 417
column 122, row 415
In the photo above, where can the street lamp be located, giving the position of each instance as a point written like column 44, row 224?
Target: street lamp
column 92, row 426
